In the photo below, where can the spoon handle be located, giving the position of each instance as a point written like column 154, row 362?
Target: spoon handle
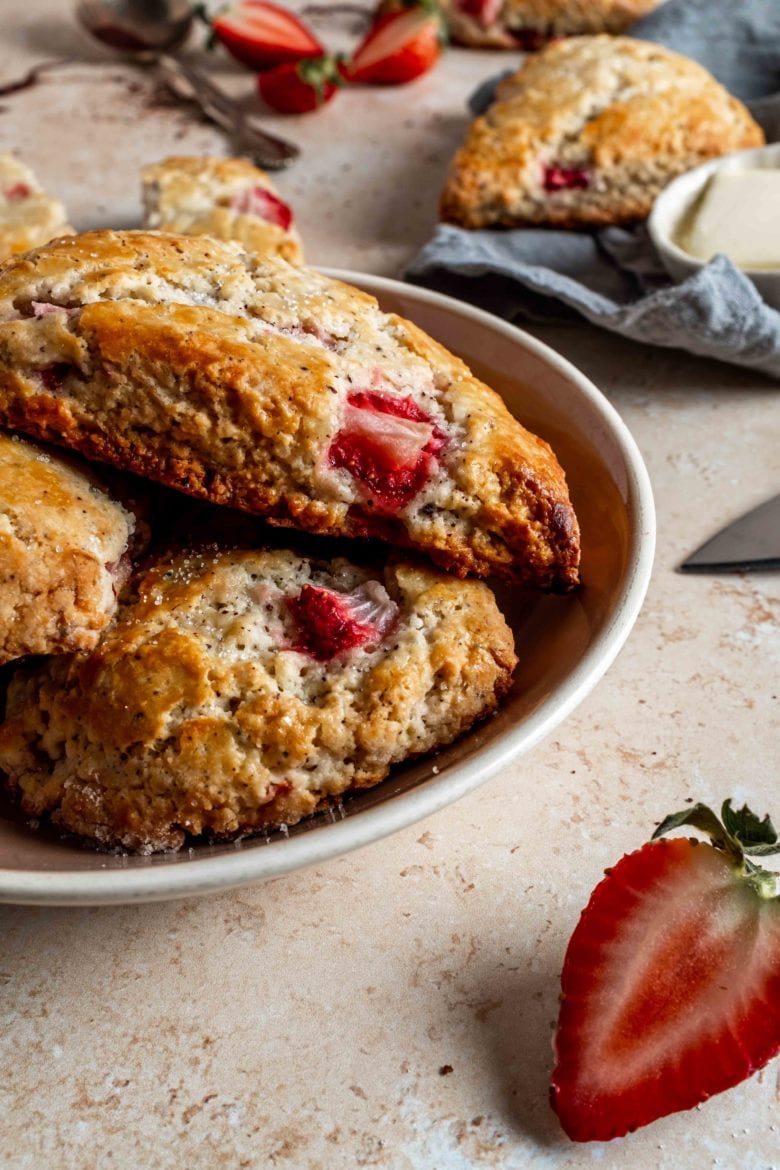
column 187, row 81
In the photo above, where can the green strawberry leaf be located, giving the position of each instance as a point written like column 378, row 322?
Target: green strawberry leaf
column 751, row 832
column 699, row 816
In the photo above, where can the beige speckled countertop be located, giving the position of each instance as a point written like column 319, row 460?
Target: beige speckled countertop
column 393, row 1008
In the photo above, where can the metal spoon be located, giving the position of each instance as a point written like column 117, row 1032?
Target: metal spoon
column 148, row 31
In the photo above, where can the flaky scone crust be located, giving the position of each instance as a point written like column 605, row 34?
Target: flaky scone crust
column 632, row 114
column 191, row 195
column 236, row 396
column 63, row 545
column 186, row 719
column 546, row 18
column 30, row 219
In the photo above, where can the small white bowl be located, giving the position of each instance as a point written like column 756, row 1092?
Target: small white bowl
column 675, row 201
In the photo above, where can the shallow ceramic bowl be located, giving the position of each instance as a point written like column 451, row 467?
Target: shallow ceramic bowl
column 676, row 201
column 566, row 643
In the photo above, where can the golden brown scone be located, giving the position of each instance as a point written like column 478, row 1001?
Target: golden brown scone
column 529, row 24
column 274, row 389
column 63, row 552
column 588, row 132
column 238, row 689
column 226, row 198
column 28, row 216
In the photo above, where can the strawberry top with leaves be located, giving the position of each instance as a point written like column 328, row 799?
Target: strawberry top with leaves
column 400, row 46
column 300, row 87
column 671, row 982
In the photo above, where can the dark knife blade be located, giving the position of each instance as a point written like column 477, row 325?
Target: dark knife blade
column 752, row 542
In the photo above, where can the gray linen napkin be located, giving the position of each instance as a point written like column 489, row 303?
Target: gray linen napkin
column 613, row 277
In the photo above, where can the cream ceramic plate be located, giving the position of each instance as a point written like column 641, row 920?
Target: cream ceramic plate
column 566, row 642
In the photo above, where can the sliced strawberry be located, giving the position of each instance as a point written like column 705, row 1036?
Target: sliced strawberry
column 555, row 178
column 389, row 445
column 399, row 47
column 263, row 204
column 302, row 87
column 329, row 623
column 671, row 982
column 261, row 35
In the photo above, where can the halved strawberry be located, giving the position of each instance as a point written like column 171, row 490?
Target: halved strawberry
column 671, row 982
column 301, row 87
column 329, row 623
column 263, row 204
column 399, row 46
column 389, row 445
column 261, row 35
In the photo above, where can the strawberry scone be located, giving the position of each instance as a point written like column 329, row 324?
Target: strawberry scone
column 588, row 132
column 252, row 383
column 28, row 216
column 226, row 198
column 64, row 551
column 238, row 689
column 529, row 24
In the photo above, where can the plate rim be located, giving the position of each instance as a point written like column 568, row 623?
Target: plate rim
column 195, row 876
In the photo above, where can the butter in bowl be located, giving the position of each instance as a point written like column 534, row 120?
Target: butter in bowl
column 729, row 206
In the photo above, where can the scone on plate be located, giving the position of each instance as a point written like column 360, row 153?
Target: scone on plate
column 529, row 24
column 28, row 216
column 226, row 198
column 252, row 383
column 588, row 132
column 64, row 545
column 239, row 689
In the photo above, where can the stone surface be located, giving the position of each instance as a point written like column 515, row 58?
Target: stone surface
column 394, row 1008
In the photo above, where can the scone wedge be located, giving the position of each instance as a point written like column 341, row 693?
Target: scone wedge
column 588, row 132
column 529, row 24
column 273, row 389
column 227, row 198
column 238, row 689
column 65, row 551
column 28, row 216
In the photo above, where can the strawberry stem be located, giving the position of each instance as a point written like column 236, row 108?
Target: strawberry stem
column 738, row 832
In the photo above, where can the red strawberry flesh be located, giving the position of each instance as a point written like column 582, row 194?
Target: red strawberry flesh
column 485, row 11
column 18, row 191
column 54, row 376
column 261, row 35
column 531, row 39
column 670, row 990
column 263, row 204
column 557, row 178
column 389, row 445
column 328, row 624
column 400, row 47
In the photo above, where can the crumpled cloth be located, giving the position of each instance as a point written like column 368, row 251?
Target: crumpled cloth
column 612, row 277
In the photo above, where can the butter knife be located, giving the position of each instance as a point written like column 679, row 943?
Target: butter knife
column 752, row 542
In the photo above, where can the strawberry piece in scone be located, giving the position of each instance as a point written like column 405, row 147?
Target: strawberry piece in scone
column 557, row 178
column 389, row 445
column 226, row 198
column 28, row 216
column 329, row 623
column 486, row 12
column 263, row 204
